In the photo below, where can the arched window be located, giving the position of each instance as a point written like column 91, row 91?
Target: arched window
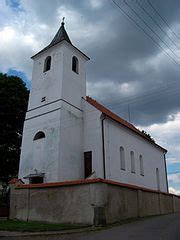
column 141, row 165
column 132, row 162
column 47, row 64
column 75, row 64
column 39, row 135
column 122, row 158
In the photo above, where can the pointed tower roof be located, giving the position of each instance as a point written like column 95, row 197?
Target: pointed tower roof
column 60, row 36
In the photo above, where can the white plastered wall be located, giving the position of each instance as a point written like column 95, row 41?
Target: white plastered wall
column 93, row 137
column 60, row 154
column 41, row 155
column 153, row 157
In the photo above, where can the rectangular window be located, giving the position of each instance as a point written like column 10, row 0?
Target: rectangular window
column 87, row 164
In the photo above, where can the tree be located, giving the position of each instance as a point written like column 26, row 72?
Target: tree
column 13, row 105
column 148, row 136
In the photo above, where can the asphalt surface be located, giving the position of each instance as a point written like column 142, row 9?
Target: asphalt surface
column 162, row 227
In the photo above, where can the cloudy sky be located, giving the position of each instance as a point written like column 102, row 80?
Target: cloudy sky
column 134, row 46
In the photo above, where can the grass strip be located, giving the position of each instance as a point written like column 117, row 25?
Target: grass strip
column 32, row 226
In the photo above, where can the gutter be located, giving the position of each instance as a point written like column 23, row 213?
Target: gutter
column 103, row 117
column 167, row 185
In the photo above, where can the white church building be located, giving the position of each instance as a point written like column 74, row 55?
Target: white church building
column 68, row 136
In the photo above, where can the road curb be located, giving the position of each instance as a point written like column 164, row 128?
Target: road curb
column 48, row 233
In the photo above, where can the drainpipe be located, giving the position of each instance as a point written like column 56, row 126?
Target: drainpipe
column 166, row 172
column 103, row 117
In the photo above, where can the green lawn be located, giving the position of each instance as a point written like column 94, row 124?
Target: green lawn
column 14, row 225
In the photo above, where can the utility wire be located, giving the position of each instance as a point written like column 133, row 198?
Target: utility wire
column 165, row 22
column 142, row 29
column 144, row 99
column 156, row 91
column 145, row 102
column 147, row 96
column 152, row 95
column 141, row 6
column 147, row 25
column 155, row 95
column 69, row 122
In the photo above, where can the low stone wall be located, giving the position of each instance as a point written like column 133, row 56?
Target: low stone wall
column 93, row 201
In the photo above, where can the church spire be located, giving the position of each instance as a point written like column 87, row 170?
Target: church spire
column 60, row 35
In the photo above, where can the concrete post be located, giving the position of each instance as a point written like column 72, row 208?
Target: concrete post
column 98, row 199
column 12, row 202
column 13, row 197
column 139, row 200
column 173, row 204
column 160, row 203
column 18, row 203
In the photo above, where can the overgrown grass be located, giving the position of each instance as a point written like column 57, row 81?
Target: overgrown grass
column 15, row 225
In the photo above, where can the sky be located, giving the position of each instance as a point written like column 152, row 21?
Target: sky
column 134, row 47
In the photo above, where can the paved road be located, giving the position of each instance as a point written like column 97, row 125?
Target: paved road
column 156, row 228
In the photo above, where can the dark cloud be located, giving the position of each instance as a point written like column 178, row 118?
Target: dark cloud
column 120, row 52
column 115, row 56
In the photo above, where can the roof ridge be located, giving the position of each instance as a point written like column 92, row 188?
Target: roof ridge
column 91, row 99
column 118, row 119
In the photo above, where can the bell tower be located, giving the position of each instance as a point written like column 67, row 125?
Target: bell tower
column 52, row 136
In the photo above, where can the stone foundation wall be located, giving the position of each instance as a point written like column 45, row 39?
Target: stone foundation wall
column 94, row 201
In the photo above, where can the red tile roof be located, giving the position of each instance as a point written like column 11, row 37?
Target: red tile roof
column 58, row 184
column 88, row 181
column 15, row 181
column 120, row 120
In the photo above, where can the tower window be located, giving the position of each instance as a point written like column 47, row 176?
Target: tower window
column 75, row 64
column 47, row 64
column 39, row 135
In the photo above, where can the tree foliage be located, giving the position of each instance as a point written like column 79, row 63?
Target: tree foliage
column 13, row 105
column 149, row 136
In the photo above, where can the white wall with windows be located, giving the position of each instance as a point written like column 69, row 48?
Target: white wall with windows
column 57, row 76
column 131, row 159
